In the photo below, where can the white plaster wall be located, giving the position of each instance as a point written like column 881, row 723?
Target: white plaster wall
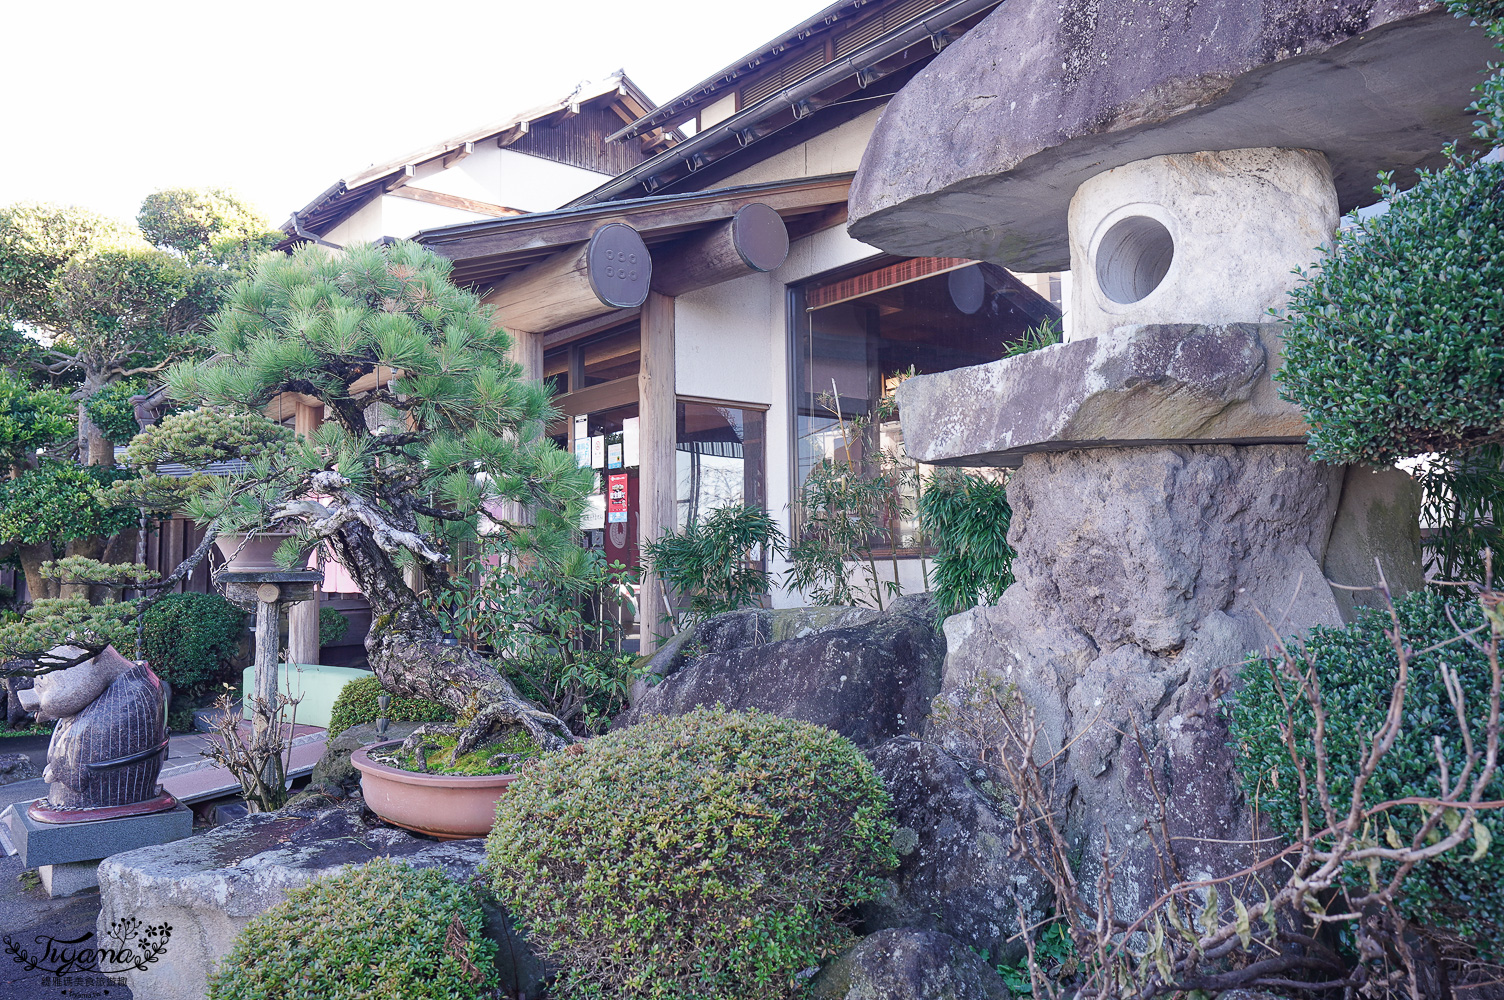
column 362, row 227
column 835, row 152
column 719, row 111
column 498, row 176
column 720, row 339
column 534, row 184
column 403, row 217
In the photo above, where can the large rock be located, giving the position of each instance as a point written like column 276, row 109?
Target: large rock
column 334, row 774
column 1142, row 575
column 867, row 675
column 16, row 767
column 908, row 965
column 207, row 888
column 1377, row 528
column 978, row 155
column 1135, row 385
column 955, row 871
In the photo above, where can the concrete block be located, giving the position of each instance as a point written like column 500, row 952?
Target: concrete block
column 69, row 879
column 61, row 843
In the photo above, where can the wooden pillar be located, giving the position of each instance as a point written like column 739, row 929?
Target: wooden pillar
column 303, row 617
column 527, row 351
column 657, row 486
column 264, row 686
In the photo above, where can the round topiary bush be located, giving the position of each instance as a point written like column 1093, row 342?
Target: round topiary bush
column 357, row 705
column 1392, row 347
column 332, row 626
column 190, row 638
column 372, row 932
column 1357, row 668
column 707, row 856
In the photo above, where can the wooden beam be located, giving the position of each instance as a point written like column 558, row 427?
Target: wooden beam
column 602, row 275
column 606, row 396
column 657, row 481
column 814, row 222
column 407, row 173
column 712, row 206
column 455, row 201
column 584, row 328
column 512, row 134
column 751, row 241
column 461, row 151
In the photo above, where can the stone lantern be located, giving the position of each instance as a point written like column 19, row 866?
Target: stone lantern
column 1183, row 159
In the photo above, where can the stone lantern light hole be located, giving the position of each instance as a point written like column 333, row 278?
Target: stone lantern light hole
column 1133, row 257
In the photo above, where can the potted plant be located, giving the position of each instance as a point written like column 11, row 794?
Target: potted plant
column 253, row 553
column 419, row 784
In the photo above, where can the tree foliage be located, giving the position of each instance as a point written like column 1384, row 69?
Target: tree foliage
column 31, row 419
column 205, row 224
column 456, row 429
column 59, row 501
column 1393, row 345
column 189, row 638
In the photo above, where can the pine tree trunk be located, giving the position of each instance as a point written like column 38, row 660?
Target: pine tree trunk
column 407, row 652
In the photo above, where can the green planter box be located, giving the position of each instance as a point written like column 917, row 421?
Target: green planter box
column 315, row 684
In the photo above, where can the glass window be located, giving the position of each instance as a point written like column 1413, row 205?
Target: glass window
column 856, row 333
column 719, row 452
column 603, row 357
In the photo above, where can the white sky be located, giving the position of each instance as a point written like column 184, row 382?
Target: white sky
column 277, row 100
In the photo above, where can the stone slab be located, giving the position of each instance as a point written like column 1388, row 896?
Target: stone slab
column 60, row 843
column 69, row 879
column 208, row 888
column 979, row 154
column 1136, row 385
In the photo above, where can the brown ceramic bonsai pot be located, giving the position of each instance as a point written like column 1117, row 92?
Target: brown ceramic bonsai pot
column 258, row 554
column 447, row 806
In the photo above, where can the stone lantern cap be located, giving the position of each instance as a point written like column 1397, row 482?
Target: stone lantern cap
column 979, row 155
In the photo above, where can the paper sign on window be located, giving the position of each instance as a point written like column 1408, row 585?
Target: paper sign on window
column 616, row 498
column 629, row 442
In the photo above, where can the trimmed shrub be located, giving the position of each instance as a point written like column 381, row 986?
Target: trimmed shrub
column 705, row 857
column 1392, row 347
column 1356, row 667
column 372, row 932
column 357, row 705
column 967, row 516
column 332, row 626
column 189, row 638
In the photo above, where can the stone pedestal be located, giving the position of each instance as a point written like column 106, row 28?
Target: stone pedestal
column 67, row 855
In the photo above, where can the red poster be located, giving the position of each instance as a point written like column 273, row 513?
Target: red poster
column 616, row 498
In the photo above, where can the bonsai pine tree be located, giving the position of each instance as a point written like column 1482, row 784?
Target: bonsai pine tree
column 429, row 430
